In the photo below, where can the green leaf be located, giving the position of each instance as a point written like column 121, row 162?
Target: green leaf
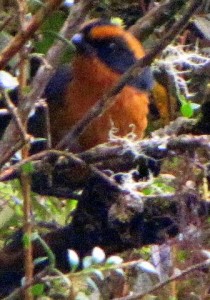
column 37, row 289
column 52, row 24
column 114, row 260
column 71, row 205
column 187, row 110
column 187, row 107
column 40, row 260
column 50, row 254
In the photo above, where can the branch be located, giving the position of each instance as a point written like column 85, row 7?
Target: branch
column 120, row 156
column 15, row 115
column 22, row 37
column 156, row 17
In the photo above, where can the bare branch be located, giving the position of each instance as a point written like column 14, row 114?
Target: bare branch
column 156, row 17
column 14, row 113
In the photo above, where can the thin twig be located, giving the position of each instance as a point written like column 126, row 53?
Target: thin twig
column 14, row 113
column 25, row 176
column 28, row 252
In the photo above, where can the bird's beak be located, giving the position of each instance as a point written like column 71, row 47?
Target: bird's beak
column 78, row 39
column 82, row 46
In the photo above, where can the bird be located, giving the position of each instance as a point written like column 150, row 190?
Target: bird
column 104, row 52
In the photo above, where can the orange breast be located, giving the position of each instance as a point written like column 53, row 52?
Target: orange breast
column 87, row 87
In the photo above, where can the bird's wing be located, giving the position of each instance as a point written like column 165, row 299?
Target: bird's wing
column 57, row 85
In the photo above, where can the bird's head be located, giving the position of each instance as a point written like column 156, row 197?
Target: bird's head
column 114, row 46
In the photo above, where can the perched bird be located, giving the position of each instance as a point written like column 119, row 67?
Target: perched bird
column 104, row 51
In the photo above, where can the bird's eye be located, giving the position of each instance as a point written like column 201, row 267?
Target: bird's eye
column 112, row 45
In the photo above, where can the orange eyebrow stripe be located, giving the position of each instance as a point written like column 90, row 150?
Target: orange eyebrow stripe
column 106, row 31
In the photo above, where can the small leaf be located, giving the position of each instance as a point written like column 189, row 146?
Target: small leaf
column 68, row 3
column 73, row 259
column 34, row 236
column 72, row 205
column 87, row 262
column 40, row 139
column 50, row 254
column 147, row 267
column 7, row 81
column 23, row 281
column 98, row 255
column 98, row 274
column 117, row 21
column 195, row 106
column 187, row 110
column 114, row 260
column 91, row 283
column 40, row 260
column 37, row 289
column 120, row 272
column 206, row 253
column 53, row 23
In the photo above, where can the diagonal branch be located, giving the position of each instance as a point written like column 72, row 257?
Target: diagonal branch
column 22, row 37
column 156, row 17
